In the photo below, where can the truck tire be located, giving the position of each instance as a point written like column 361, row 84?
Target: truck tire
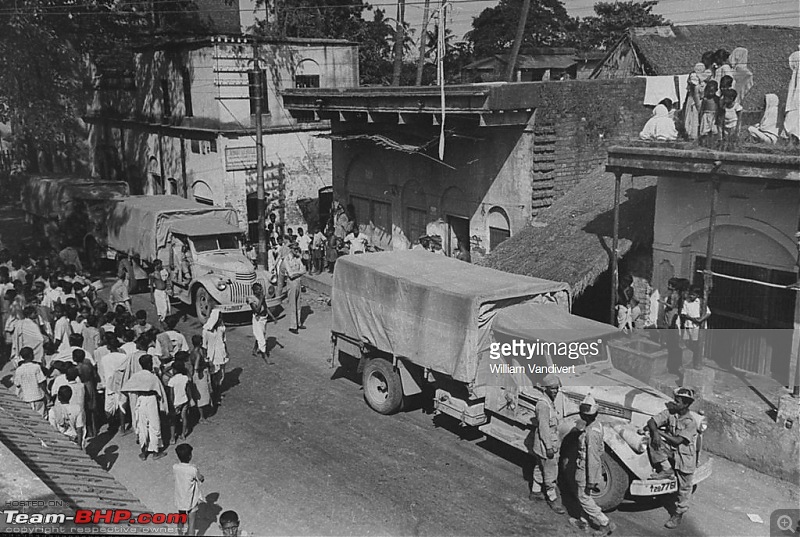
column 383, row 390
column 614, row 485
column 125, row 265
column 203, row 304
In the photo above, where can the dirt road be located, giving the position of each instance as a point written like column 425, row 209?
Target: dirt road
column 296, row 451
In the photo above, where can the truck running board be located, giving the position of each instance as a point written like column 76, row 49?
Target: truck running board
column 458, row 408
column 508, row 434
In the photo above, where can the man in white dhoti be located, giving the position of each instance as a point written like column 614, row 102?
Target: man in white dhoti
column 258, row 303
column 158, row 289
column 148, row 399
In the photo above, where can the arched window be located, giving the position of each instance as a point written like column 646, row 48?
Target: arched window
column 202, row 193
column 499, row 227
column 307, row 74
column 171, row 187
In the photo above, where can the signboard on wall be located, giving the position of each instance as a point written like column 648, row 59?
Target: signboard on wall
column 240, row 158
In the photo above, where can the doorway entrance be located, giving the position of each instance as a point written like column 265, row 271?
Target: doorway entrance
column 457, row 231
column 752, row 323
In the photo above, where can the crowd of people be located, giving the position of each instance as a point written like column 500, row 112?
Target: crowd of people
column 712, row 111
column 83, row 362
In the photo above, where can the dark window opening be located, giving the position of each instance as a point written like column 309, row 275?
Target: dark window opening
column 306, row 81
column 212, row 146
column 251, row 86
column 187, row 94
column 166, row 109
column 496, row 236
column 305, row 116
column 195, row 146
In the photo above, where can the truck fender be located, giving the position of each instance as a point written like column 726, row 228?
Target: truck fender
column 409, row 383
column 209, row 281
column 637, row 463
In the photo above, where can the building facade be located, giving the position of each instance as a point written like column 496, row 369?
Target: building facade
column 509, row 151
column 184, row 121
column 749, row 205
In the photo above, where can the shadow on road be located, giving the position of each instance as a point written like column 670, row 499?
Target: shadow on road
column 207, row 513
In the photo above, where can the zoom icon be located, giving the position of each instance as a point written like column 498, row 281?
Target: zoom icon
column 784, row 522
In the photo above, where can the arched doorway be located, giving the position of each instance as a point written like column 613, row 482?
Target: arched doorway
column 499, row 227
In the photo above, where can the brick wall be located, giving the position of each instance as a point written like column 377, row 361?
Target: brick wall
column 575, row 123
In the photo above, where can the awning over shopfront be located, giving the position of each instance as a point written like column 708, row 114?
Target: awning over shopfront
column 571, row 241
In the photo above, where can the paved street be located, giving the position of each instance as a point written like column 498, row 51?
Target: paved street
column 295, row 450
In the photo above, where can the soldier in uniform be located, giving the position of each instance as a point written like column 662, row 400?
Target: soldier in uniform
column 673, row 433
column 546, row 443
column 588, row 471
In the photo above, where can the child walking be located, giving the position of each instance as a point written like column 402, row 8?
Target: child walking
column 179, row 386
column 187, row 487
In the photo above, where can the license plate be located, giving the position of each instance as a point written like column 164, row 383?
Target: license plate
column 644, row 488
column 232, row 307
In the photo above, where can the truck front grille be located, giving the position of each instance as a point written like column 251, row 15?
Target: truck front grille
column 240, row 292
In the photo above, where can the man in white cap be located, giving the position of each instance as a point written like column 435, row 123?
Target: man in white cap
column 589, row 468
column 546, row 443
column 673, row 432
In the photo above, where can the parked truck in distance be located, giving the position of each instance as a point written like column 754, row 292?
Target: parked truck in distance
column 201, row 246
column 479, row 341
column 64, row 209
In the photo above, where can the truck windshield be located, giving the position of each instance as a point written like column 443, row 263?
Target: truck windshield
column 216, row 242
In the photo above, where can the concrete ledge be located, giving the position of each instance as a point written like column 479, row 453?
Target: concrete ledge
column 742, row 434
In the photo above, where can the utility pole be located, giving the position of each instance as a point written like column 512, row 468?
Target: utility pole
column 512, row 60
column 423, row 37
column 399, row 42
column 258, row 91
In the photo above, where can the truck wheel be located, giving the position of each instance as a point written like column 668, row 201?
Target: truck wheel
column 125, row 265
column 203, row 304
column 383, row 390
column 614, row 484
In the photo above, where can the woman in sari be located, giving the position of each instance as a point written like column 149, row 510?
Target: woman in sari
column 694, row 97
column 767, row 129
column 742, row 75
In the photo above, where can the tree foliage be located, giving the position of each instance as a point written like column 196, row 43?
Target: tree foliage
column 612, row 20
column 494, row 29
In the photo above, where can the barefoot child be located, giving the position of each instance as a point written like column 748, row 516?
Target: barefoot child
column 187, row 487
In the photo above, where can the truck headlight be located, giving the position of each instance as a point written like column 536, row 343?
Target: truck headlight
column 222, row 286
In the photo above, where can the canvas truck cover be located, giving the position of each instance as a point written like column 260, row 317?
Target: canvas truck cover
column 435, row 311
column 52, row 196
column 140, row 225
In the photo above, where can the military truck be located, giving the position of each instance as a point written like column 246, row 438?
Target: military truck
column 421, row 323
column 64, row 209
column 201, row 245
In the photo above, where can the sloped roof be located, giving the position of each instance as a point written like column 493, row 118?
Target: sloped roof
column 673, row 50
column 571, row 240
column 557, row 60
